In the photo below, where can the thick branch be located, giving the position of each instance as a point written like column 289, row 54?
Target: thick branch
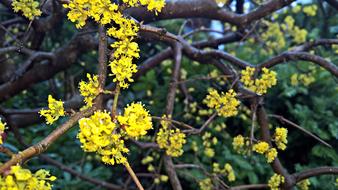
column 294, row 56
column 325, row 170
column 46, row 142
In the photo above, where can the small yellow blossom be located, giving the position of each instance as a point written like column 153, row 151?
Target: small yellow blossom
column 209, row 152
column 123, row 70
column 259, row 85
column 274, row 37
column 238, row 143
column 230, row 172
column 225, row 104
column 335, row 48
column 226, row 171
column 23, row 179
column 89, row 90
column 2, row 129
column 304, row 184
column 280, row 137
column 128, row 28
column 55, row 110
column 275, row 182
column 299, row 35
column 147, row 160
column 164, row 178
column 205, row 184
column 29, row 8
column 261, row 147
column 310, row 10
column 271, row 154
column 97, row 135
column 135, row 120
column 170, row 139
column 296, row 9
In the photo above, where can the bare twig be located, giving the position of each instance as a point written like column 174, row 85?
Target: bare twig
column 284, row 120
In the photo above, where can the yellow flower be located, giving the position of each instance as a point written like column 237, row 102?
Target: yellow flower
column 335, row 48
column 23, row 179
column 89, row 90
column 310, row 10
column 225, row 104
column 2, row 129
column 101, row 11
column 280, row 137
column 294, row 79
column 238, row 143
column 230, row 172
column 205, row 184
column 299, row 35
column 147, row 160
column 296, row 9
column 29, row 8
column 274, row 37
column 271, row 154
column 127, row 28
column 123, row 70
column 55, row 110
column 209, row 152
column 304, row 184
column 261, row 147
column 227, row 171
column 259, row 85
column 164, row 178
column 171, row 140
column 125, row 48
column 135, row 120
column 97, row 135
column 275, row 181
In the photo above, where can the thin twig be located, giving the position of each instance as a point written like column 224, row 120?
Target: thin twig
column 284, row 120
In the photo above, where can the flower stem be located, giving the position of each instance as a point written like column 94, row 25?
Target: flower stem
column 133, row 175
column 116, row 97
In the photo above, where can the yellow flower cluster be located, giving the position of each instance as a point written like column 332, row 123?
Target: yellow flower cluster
column 23, row 179
column 55, row 110
column 101, row 11
column 299, row 35
column 271, row 154
column 259, row 85
column 304, row 184
column 122, row 66
column 275, row 181
column 2, row 129
column 172, row 140
column 225, row 104
column 227, row 171
column 335, row 48
column 136, row 120
column 238, row 143
column 206, row 184
column 125, row 30
column 273, row 37
column 261, row 147
column 264, row 148
column 241, row 144
column 89, row 90
column 161, row 178
column 97, row 135
column 280, row 137
column 29, row 8
column 156, row 5
column 296, row 9
column 310, row 10
column 208, row 140
column 305, row 79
